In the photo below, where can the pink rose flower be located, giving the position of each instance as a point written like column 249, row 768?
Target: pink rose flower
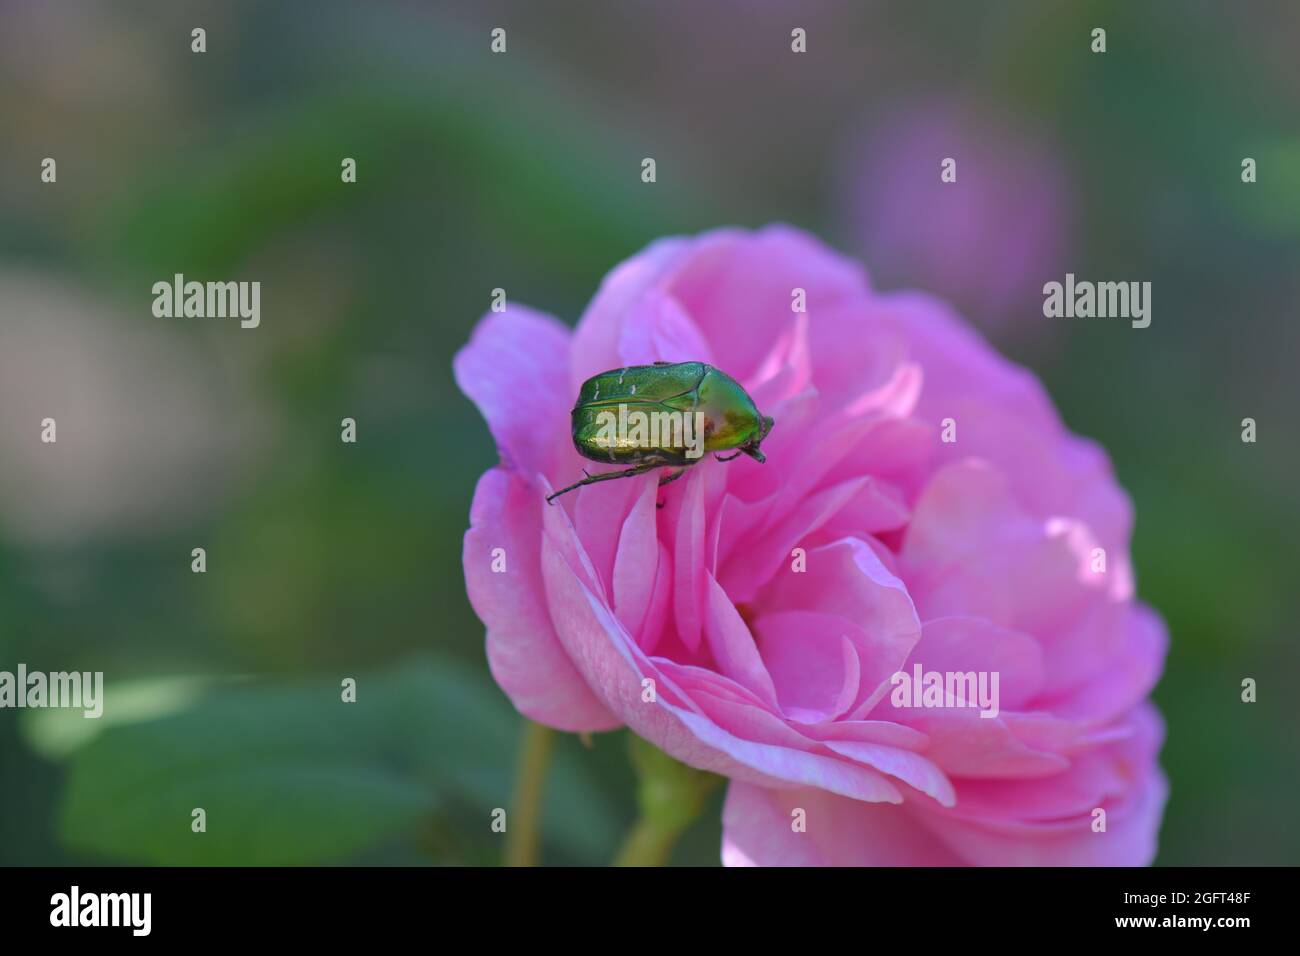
column 754, row 624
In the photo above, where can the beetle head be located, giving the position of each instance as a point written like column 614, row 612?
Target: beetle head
column 751, row 449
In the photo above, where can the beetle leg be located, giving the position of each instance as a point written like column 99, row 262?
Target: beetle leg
column 728, row 458
column 673, row 477
column 607, row 476
column 667, row 478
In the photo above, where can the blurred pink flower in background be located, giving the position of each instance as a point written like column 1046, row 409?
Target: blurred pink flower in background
column 988, row 241
column 974, row 555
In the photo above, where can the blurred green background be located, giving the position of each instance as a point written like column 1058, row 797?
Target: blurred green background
column 522, row 171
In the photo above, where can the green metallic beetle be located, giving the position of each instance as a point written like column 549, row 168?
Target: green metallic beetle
column 663, row 415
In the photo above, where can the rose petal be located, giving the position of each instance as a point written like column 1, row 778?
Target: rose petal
column 814, row 665
column 515, row 370
column 758, row 830
column 523, row 649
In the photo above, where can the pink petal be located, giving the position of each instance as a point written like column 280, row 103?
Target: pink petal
column 875, row 508
column 599, row 513
column 523, row 650
column 972, row 551
column 813, row 664
column 848, row 579
column 688, row 563
column 765, row 553
column 738, row 287
column 911, row 768
column 1132, row 820
column 657, row 329
column 965, row 744
column 596, row 341
column 787, row 370
column 636, row 562
column 757, row 830
column 515, row 370
column 1133, row 673
column 733, row 646
column 609, row 660
column 870, row 731
column 967, row 644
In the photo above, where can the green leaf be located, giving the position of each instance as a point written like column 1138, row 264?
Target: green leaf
column 293, row 775
column 56, row 732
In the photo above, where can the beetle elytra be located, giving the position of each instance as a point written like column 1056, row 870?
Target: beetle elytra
column 663, row 415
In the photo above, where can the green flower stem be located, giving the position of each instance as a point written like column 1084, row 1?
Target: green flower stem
column 523, row 828
column 647, row 844
column 670, row 797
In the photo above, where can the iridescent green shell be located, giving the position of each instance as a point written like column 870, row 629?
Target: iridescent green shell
column 729, row 417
